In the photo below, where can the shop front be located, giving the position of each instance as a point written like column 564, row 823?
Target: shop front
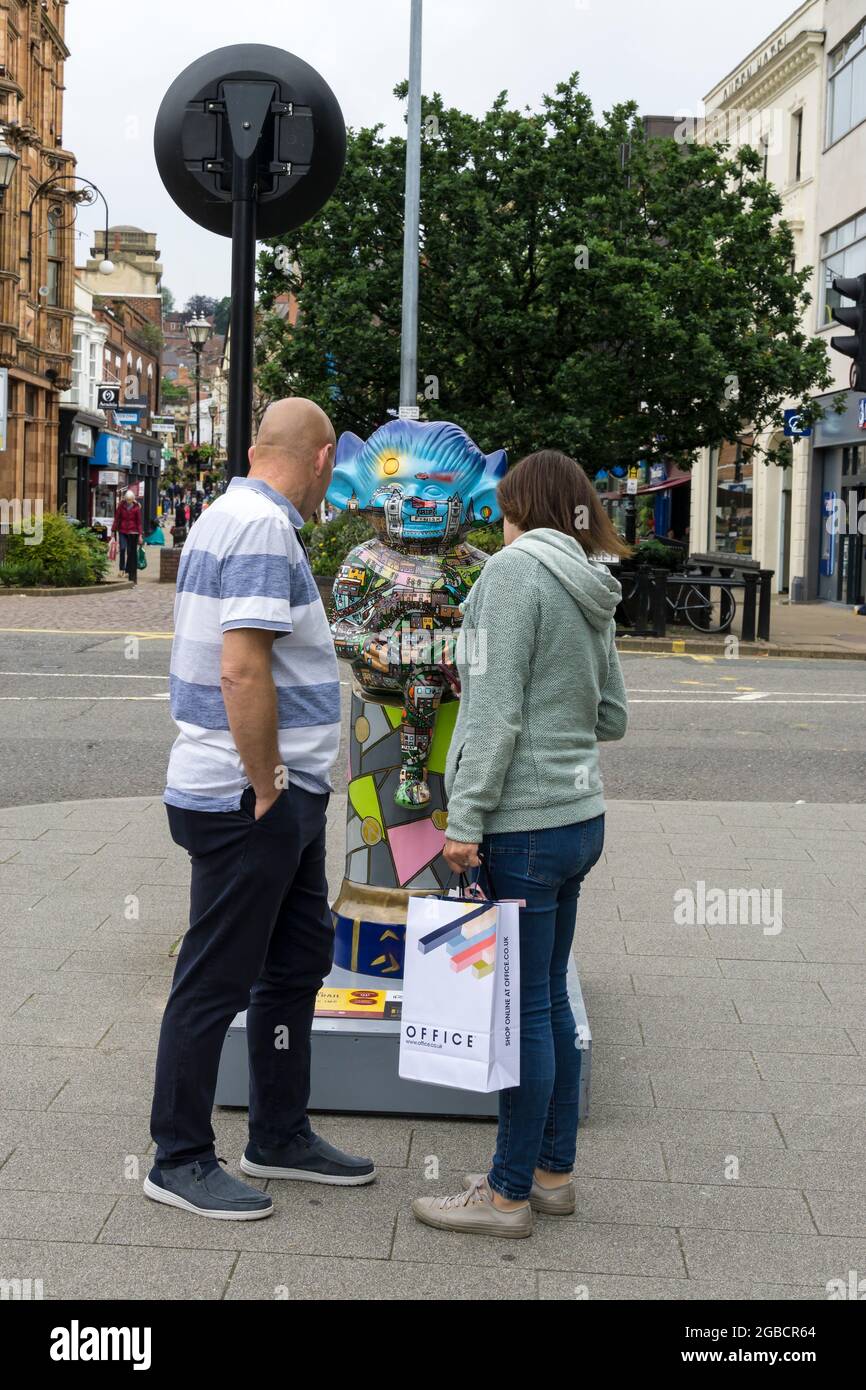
column 109, row 477
column 77, row 442
column 838, row 534
column 732, row 507
column 144, row 477
column 662, row 501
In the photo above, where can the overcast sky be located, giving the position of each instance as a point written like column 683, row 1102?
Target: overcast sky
column 664, row 54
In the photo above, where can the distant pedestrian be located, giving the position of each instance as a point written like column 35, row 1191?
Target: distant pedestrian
column 178, row 530
column 127, row 526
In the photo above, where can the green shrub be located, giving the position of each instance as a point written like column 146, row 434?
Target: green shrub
column 67, row 556
column 487, row 538
column 330, row 543
column 20, row 574
column 655, row 553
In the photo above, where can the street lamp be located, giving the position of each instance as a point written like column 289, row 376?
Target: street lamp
column 87, row 195
column 198, row 331
column 9, row 162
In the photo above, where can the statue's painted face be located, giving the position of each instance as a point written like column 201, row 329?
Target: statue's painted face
column 421, row 484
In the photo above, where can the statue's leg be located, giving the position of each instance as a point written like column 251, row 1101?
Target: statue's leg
column 423, row 695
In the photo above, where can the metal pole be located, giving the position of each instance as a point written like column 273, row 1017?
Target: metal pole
column 409, row 333
column 197, row 397
column 240, row 421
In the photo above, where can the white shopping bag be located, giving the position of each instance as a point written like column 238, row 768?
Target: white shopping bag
column 461, row 994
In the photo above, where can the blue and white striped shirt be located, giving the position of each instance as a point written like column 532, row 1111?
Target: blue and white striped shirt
column 244, row 566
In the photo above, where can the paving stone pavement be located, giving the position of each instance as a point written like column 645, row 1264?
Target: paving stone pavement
column 144, row 608
column 725, row 1153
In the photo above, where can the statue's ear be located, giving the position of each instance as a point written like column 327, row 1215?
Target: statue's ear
column 343, row 483
column 484, row 495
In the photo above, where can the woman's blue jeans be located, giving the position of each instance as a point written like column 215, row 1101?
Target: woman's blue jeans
column 538, row 1118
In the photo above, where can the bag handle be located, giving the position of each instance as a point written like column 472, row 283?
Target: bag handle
column 469, row 887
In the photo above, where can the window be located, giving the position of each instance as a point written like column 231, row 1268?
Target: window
column 843, row 252
column 846, row 89
column 730, row 518
column 797, row 145
column 79, row 380
column 55, row 263
column 95, row 375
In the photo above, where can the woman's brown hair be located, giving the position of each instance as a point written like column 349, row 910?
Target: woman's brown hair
column 550, row 489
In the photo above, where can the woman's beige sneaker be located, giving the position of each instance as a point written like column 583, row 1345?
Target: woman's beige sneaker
column 474, row 1212
column 550, row 1201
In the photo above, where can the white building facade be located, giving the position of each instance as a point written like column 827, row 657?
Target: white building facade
column 774, row 101
column 836, row 555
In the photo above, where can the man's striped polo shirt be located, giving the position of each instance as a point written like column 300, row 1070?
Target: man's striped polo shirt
column 244, row 566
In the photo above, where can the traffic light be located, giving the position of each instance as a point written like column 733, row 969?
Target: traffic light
column 855, row 347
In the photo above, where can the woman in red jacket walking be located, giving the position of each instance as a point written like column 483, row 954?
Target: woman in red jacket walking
column 127, row 525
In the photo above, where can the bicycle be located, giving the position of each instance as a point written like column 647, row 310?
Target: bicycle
column 708, row 608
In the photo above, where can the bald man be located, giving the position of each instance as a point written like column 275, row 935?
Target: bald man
column 255, row 695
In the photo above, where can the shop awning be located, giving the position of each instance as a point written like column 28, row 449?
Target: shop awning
column 676, row 478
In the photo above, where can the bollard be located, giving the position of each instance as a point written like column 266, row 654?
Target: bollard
column 659, row 609
column 642, row 602
column 750, row 580
column 764, row 605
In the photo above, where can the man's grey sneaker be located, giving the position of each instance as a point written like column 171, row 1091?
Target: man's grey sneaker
column 473, row 1212
column 308, row 1158
column 203, row 1188
column 550, row 1201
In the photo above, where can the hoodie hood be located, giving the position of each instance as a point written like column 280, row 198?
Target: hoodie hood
column 588, row 582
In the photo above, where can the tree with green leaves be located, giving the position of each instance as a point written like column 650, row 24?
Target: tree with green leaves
column 581, row 287
column 200, row 306
column 222, row 315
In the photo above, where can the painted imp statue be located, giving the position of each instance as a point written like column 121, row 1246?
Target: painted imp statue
column 396, row 602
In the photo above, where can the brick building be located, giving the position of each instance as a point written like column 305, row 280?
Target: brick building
column 36, row 246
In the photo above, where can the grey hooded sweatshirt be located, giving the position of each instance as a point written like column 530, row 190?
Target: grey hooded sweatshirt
column 541, row 688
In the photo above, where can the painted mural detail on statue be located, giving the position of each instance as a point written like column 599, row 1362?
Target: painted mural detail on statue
column 396, row 617
column 396, row 606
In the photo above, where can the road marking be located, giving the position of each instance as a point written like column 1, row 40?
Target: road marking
column 689, row 700
column 668, row 690
column 93, row 632
column 81, row 699
column 82, row 675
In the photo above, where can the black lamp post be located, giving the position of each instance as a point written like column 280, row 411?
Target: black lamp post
column 198, row 331
column 250, row 142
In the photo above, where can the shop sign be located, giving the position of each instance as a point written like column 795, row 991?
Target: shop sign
column 82, row 439
column 107, row 477
column 792, row 426
column 658, row 473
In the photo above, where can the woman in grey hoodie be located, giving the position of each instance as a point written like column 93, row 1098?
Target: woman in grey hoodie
column 541, row 688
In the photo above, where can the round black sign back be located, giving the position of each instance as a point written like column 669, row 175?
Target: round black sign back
column 299, row 156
